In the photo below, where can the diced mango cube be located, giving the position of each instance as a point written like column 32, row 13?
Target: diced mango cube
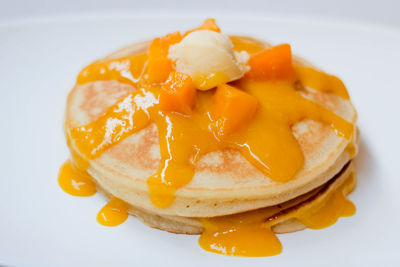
column 159, row 66
column 232, row 108
column 274, row 63
column 208, row 24
column 178, row 93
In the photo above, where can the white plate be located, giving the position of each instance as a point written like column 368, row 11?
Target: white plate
column 41, row 225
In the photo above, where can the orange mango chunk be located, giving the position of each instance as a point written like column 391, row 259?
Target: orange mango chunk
column 178, row 93
column 232, row 108
column 274, row 63
column 159, row 65
column 208, row 24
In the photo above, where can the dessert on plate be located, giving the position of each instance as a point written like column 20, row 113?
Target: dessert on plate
column 203, row 133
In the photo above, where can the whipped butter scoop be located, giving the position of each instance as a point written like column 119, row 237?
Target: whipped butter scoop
column 208, row 57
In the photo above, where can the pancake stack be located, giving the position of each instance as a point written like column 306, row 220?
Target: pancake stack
column 226, row 189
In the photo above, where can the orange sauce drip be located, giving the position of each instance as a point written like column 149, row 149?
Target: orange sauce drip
column 249, row 234
column 267, row 141
column 75, row 181
column 119, row 121
column 252, row 240
column 352, row 147
column 79, row 161
column 240, row 235
column 352, row 150
column 321, row 81
column 78, row 182
column 113, row 213
column 326, row 213
column 126, row 70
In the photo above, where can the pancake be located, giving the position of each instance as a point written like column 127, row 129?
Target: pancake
column 282, row 216
column 224, row 181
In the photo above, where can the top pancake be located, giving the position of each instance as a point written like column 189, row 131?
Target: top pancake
column 224, row 181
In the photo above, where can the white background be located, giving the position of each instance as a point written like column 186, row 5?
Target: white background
column 378, row 11
column 40, row 225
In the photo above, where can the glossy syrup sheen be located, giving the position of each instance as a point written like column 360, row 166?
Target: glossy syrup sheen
column 250, row 235
column 113, row 213
column 267, row 141
column 321, row 81
column 77, row 182
column 126, row 69
column 325, row 213
column 74, row 181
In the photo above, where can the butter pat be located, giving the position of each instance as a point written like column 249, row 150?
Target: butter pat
column 208, row 57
